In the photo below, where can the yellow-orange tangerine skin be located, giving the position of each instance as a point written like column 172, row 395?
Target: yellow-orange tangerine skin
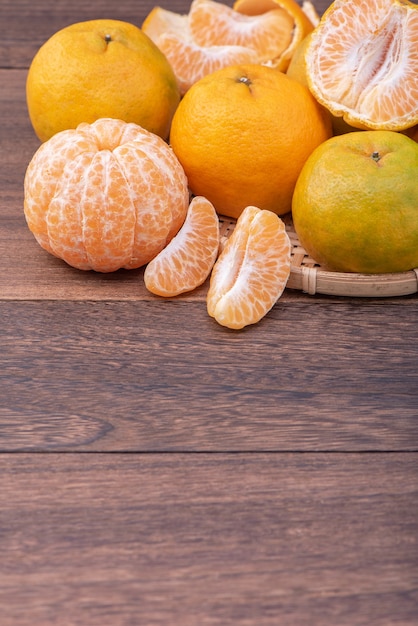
column 100, row 68
column 243, row 134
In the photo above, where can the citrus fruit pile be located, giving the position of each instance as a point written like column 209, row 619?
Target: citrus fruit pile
column 213, row 35
column 252, row 112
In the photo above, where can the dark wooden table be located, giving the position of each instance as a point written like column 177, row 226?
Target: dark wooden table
column 158, row 469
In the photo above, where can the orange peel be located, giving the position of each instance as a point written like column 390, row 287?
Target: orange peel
column 303, row 21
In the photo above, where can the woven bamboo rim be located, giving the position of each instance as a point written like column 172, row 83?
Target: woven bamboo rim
column 308, row 276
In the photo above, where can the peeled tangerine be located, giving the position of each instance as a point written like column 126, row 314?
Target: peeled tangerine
column 105, row 196
column 252, row 270
column 362, row 63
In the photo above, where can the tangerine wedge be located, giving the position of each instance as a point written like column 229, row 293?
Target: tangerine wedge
column 252, row 270
column 161, row 20
column 214, row 24
column 362, row 63
column 191, row 62
column 189, row 257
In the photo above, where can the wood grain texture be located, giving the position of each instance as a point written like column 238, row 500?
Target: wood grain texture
column 135, row 376
column 196, row 540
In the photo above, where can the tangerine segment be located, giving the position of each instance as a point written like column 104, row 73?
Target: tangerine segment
column 192, row 62
column 302, row 21
column 252, row 270
column 188, row 259
column 160, row 21
column 362, row 63
column 105, row 195
column 213, row 24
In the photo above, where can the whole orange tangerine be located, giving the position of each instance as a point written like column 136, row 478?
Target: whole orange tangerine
column 243, row 134
column 105, row 196
column 100, row 68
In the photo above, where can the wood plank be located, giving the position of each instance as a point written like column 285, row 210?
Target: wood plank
column 209, row 539
column 135, row 376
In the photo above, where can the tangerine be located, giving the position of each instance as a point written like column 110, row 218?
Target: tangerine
column 355, row 203
column 243, row 134
column 105, row 196
column 96, row 69
column 362, row 63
